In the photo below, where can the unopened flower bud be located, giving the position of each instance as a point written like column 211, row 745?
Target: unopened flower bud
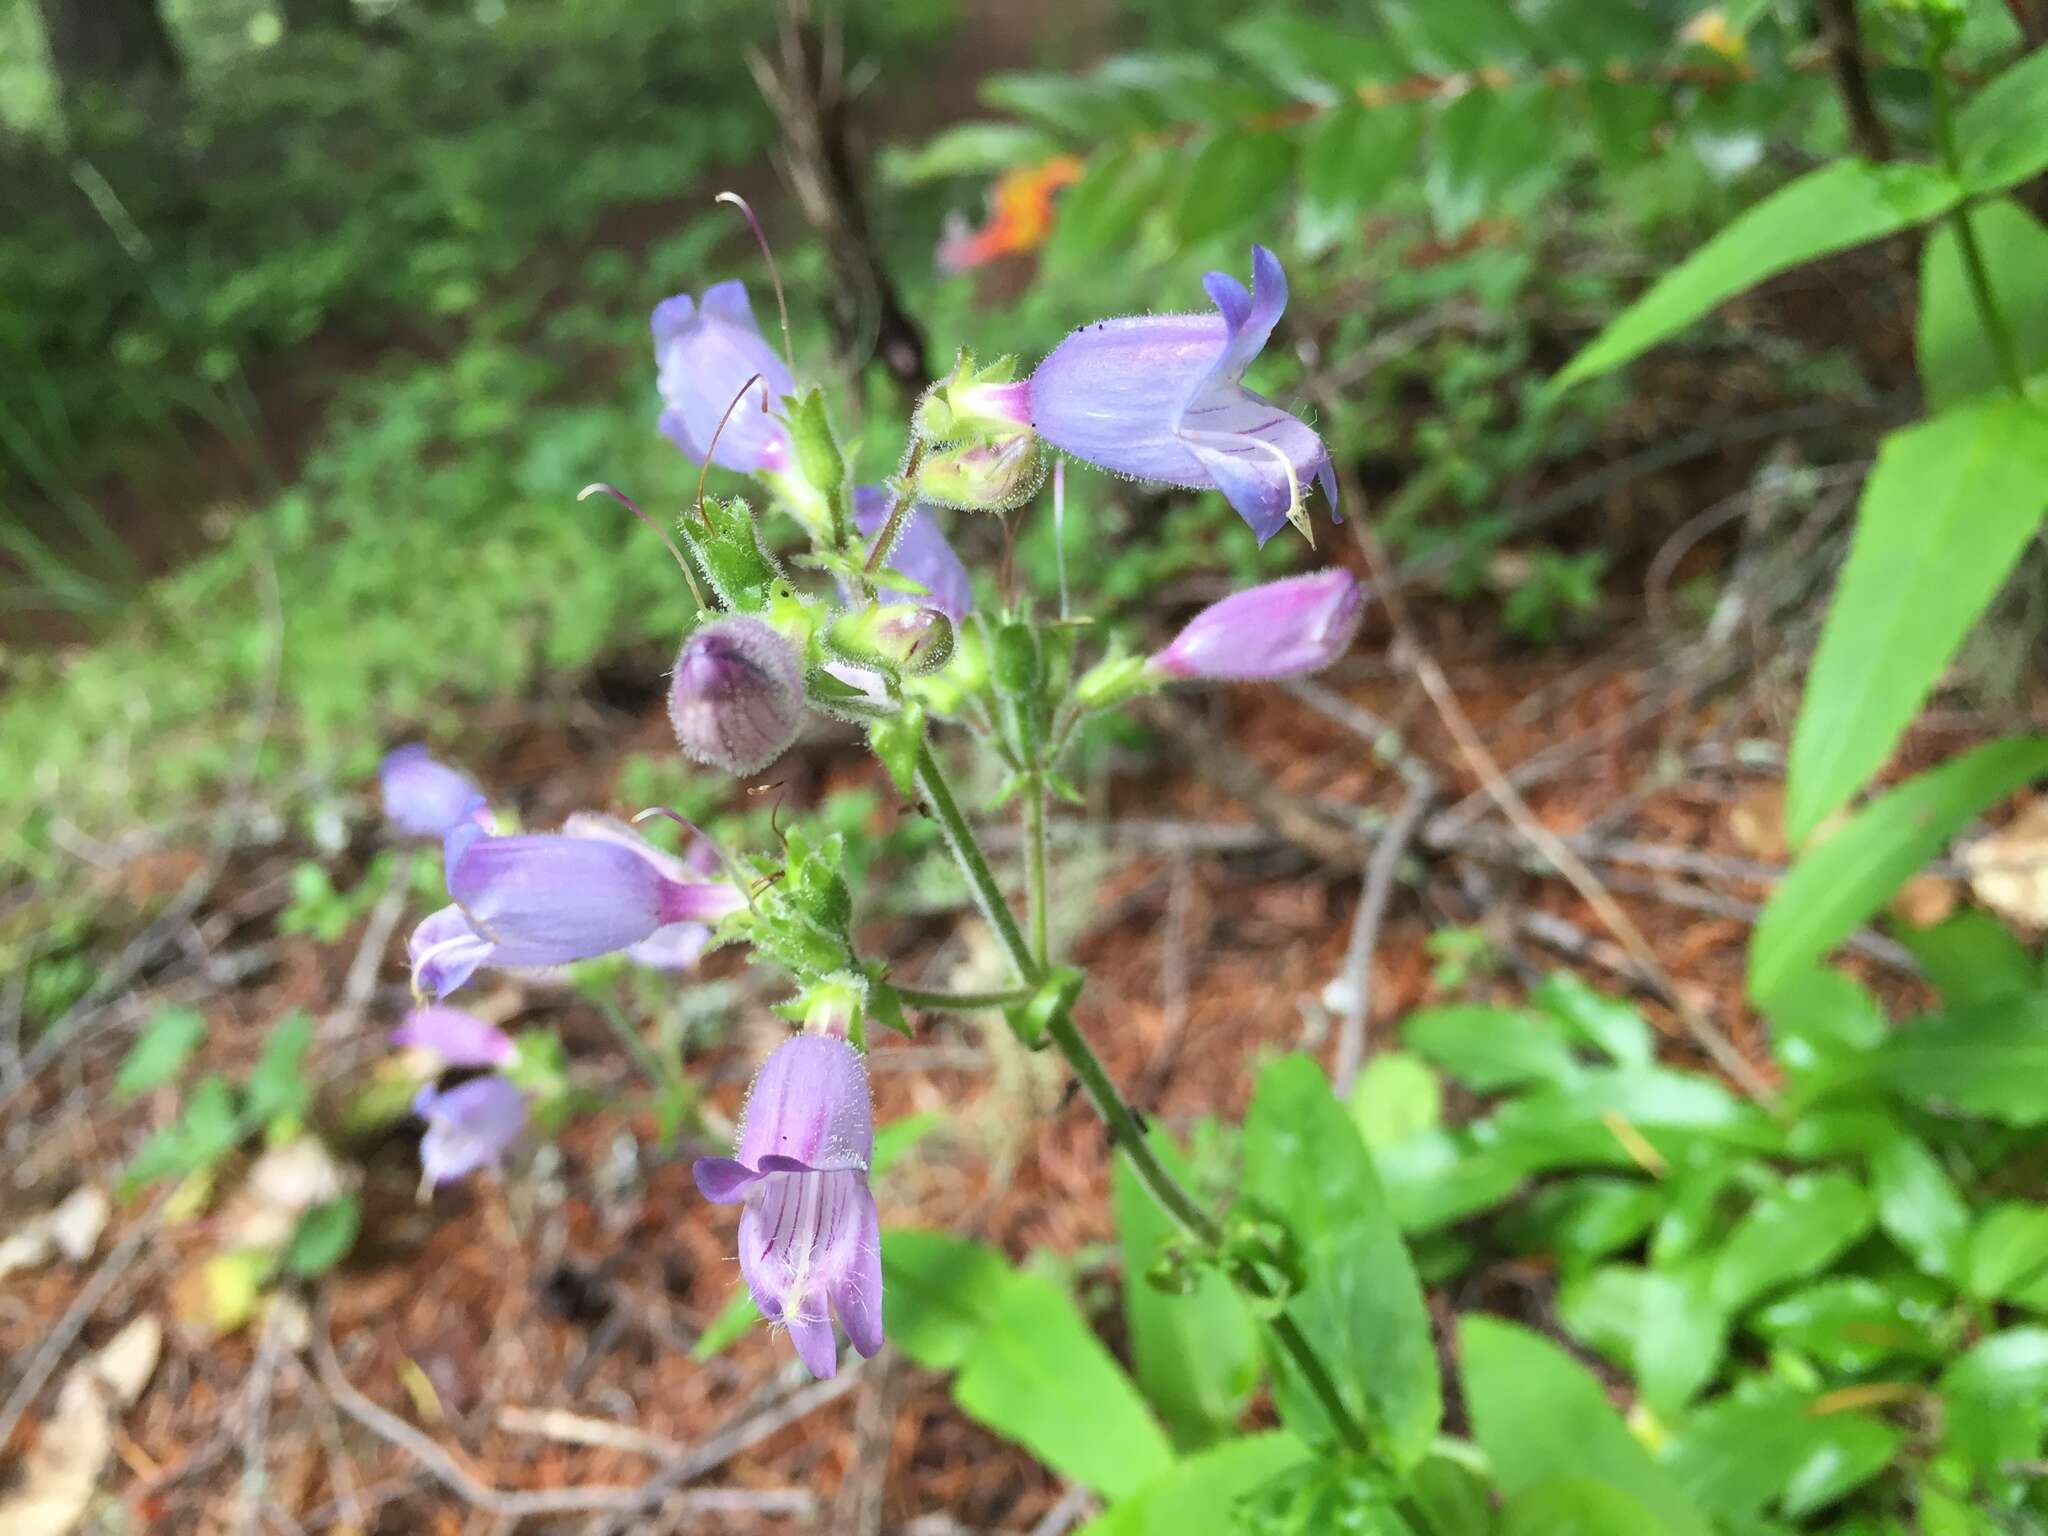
column 972, row 404
column 1279, row 629
column 894, row 635
column 737, row 697
column 990, row 476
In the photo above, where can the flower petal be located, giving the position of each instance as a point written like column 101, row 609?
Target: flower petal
column 445, row 951
column 811, row 1103
column 706, row 353
column 468, row 1126
column 721, row 1180
column 815, row 1345
column 857, row 1294
column 423, row 797
column 546, row 899
column 460, row 1039
column 1278, row 629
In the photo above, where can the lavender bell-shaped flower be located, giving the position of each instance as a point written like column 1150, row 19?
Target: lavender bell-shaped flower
column 1162, row 397
column 674, row 946
column 469, row 1126
column 551, row 898
column 706, row 351
column 810, row 1239
column 427, row 798
column 920, row 552
column 457, row 1038
column 737, row 696
column 1279, row 629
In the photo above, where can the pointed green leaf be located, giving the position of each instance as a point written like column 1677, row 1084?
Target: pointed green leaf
column 1956, row 359
column 1359, row 1303
column 1988, row 1059
column 1945, row 513
column 1831, row 209
column 2002, row 131
column 1540, row 1416
column 1848, row 877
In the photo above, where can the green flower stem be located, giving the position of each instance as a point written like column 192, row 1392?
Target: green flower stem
column 642, row 1054
column 1997, row 329
column 1034, row 867
column 961, row 1002
column 1125, row 1132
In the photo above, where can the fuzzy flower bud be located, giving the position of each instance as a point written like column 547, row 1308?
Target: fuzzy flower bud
column 991, row 476
column 974, row 404
column 1279, row 629
column 737, row 698
column 893, row 635
column 810, row 1240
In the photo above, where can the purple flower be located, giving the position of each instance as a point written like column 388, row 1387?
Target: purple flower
column 459, row 1039
column 550, row 898
column 1161, row 397
column 809, row 1234
column 706, row 352
column 921, row 553
column 468, row 1126
column 674, row 946
column 426, row 798
column 737, row 697
column 1280, row 629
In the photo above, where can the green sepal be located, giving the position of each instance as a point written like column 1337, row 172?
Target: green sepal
column 1014, row 662
column 728, row 554
column 818, row 455
column 1030, row 1019
column 1113, row 680
column 897, row 740
column 1063, row 786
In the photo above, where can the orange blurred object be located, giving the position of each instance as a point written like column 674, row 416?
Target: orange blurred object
column 1020, row 216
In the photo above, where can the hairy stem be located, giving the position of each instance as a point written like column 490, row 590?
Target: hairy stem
column 961, row 1002
column 1034, row 867
column 1126, row 1133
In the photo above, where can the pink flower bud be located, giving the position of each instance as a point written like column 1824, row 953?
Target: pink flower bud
column 737, row 698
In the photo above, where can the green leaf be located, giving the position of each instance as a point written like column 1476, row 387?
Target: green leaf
column 894, row 1140
column 1917, row 1204
column 1834, row 208
column 1101, row 213
column 1443, row 1176
column 1196, row 1354
column 1395, row 1098
column 160, row 1052
column 1359, row 1303
column 1314, row 59
column 1792, row 1232
column 1738, row 1455
column 2008, row 1253
column 1610, row 1026
column 1823, row 1026
column 1846, row 1323
column 2002, row 131
column 1576, row 1506
column 1589, row 1122
column 1946, row 511
column 1489, row 1049
column 1198, row 1495
column 1971, row 958
column 207, row 1131
column 967, row 149
column 939, row 1294
column 1579, row 1220
column 323, row 1237
column 1659, row 1326
column 1990, row 1060
column 1541, row 1417
column 1955, row 356
column 1232, row 177
column 1354, row 155
column 1839, row 884
column 1069, row 106
column 731, row 1324
column 278, row 1089
column 898, row 740
column 1994, row 1396
column 1039, row 1376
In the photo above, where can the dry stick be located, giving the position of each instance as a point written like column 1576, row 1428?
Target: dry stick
column 1073, row 1505
column 61, row 1337
column 1845, row 56
column 1541, row 838
column 1377, row 888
